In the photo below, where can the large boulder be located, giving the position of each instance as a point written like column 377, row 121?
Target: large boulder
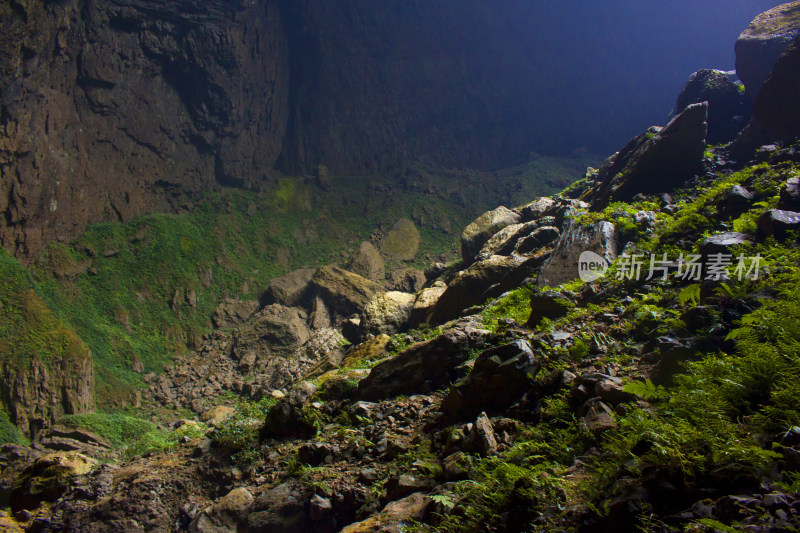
column 402, row 241
column 562, row 265
column 422, row 367
column 232, row 312
column 482, row 228
column 291, row 289
column 777, row 106
column 281, row 509
column 425, row 302
column 482, row 280
column 343, row 292
column 387, row 312
column 760, row 45
column 367, row 262
column 500, row 376
column 47, row 478
column 660, row 160
column 728, row 108
column 393, row 516
column 274, row 331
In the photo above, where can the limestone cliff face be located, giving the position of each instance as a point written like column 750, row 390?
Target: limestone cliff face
column 111, row 109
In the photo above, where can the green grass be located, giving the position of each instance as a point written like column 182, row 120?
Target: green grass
column 9, row 433
column 28, row 327
column 131, row 435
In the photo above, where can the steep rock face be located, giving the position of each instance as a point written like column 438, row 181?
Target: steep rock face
column 109, row 110
column 776, row 106
column 36, row 394
column 760, row 45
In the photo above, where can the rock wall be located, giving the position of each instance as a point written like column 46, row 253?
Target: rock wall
column 111, row 109
column 36, row 395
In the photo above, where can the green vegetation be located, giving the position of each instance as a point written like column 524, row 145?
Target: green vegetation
column 515, row 305
column 132, row 435
column 28, row 328
column 9, row 433
column 239, row 433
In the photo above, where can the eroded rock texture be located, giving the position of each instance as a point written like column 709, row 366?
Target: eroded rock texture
column 109, row 110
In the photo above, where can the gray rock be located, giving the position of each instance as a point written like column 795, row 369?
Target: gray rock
column 790, row 195
column 562, row 265
column 485, row 440
column 401, row 486
column 470, row 286
column 482, row 228
column 658, row 162
column 723, row 243
column 728, row 109
column 540, row 207
column 343, row 292
column 275, row 331
column 425, row 302
column 735, row 201
column 776, row 106
column 538, row 239
column 408, row 280
column 281, row 509
column 779, row 224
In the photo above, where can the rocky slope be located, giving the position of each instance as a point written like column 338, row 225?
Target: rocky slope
column 527, row 400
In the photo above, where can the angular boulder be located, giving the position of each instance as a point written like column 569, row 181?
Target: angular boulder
column 779, row 224
column 293, row 288
column 548, row 304
column 344, row 293
column 562, row 265
column 274, row 331
column 729, row 109
column 540, row 207
column 500, row 376
column 387, row 313
column 482, row 228
column 425, row 302
column 47, row 478
column 422, row 367
column 393, row 516
column 661, row 161
column 408, row 280
column 367, row 262
column 287, row 418
column 469, row 287
column 762, row 42
column 283, row 508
